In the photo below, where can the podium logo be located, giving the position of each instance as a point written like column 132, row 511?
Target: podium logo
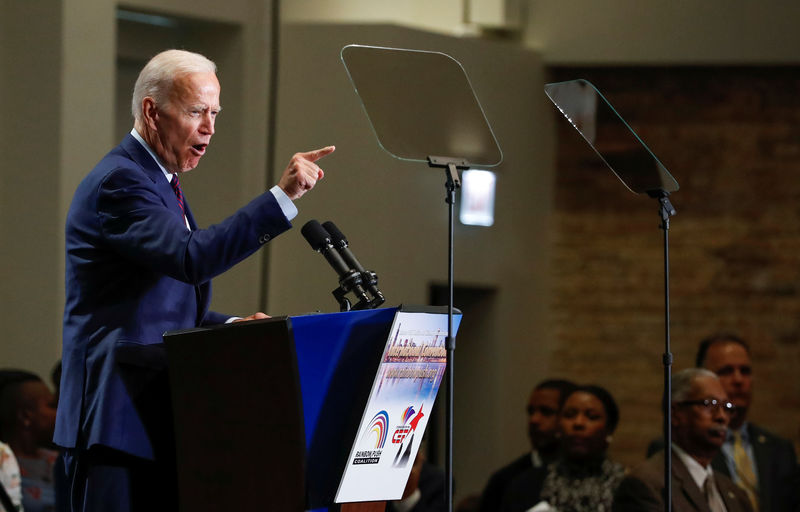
column 403, row 429
column 377, row 430
column 411, row 419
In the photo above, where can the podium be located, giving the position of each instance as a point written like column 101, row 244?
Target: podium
column 299, row 413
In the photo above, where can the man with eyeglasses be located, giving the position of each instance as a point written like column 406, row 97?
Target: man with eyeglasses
column 761, row 463
column 700, row 416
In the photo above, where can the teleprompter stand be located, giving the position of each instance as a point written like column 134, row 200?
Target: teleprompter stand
column 641, row 172
column 420, row 105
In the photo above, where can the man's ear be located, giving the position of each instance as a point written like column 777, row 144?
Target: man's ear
column 674, row 415
column 150, row 113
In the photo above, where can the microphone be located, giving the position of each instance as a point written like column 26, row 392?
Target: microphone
column 349, row 280
column 369, row 278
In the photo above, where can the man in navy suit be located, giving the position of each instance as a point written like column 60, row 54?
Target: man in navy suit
column 138, row 265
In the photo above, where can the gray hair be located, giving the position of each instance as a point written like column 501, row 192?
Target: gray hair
column 156, row 78
column 682, row 382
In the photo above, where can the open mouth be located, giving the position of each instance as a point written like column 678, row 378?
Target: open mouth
column 200, row 148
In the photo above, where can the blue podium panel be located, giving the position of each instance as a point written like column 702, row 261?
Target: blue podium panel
column 321, row 341
column 337, row 358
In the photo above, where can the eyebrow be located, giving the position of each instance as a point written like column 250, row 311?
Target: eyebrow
column 201, row 106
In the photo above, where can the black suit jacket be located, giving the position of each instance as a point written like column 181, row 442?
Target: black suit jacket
column 493, row 493
column 643, row 489
column 776, row 466
column 432, row 490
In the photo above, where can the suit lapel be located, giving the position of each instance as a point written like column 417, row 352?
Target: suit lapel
column 151, row 169
column 732, row 504
column 687, row 486
column 761, row 452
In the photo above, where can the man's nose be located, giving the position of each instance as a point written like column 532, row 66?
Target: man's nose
column 720, row 415
column 207, row 126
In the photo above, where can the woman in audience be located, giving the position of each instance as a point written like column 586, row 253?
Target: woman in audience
column 27, row 420
column 582, row 479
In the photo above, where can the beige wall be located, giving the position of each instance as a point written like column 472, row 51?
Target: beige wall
column 632, row 31
column 591, row 31
column 395, row 217
column 59, row 83
column 444, row 16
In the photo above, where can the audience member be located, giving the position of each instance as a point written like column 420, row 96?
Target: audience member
column 10, row 482
column 543, row 406
column 27, row 420
column 700, row 412
column 757, row 460
column 582, row 478
column 425, row 489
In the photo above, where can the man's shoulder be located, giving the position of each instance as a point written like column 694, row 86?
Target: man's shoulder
column 513, row 468
column 761, row 435
column 641, row 489
column 651, row 469
column 121, row 162
column 128, row 154
column 499, row 481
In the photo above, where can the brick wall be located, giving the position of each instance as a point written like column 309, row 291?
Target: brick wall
column 731, row 138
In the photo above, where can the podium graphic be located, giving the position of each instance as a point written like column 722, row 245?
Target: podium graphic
column 298, row 413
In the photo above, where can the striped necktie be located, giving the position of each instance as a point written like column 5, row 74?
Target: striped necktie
column 176, row 187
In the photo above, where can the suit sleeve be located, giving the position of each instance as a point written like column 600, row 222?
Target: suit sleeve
column 139, row 226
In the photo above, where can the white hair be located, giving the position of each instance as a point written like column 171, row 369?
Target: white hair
column 682, row 382
column 156, row 78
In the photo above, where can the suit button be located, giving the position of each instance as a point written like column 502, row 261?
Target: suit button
column 263, row 239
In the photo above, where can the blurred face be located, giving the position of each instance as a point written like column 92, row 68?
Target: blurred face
column 583, row 426
column 543, row 417
column 181, row 130
column 733, row 367
column 40, row 410
column 698, row 429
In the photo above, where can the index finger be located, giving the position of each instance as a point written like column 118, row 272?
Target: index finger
column 318, row 153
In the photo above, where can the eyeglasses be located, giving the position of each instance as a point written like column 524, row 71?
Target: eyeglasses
column 711, row 405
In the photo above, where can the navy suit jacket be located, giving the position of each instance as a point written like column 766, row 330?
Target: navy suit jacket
column 133, row 272
column 777, row 469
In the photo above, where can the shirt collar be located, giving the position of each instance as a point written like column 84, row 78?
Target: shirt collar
column 144, row 144
column 744, row 432
column 536, row 459
column 698, row 472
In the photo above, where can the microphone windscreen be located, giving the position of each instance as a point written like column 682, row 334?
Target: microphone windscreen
column 315, row 235
column 337, row 237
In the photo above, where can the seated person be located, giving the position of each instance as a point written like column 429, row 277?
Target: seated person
column 9, row 480
column 582, row 478
column 700, row 415
column 542, row 410
column 27, row 420
column 425, row 489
